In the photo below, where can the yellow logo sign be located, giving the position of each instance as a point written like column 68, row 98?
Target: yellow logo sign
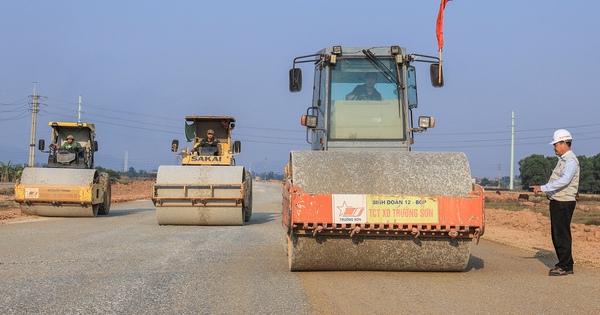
column 402, row 209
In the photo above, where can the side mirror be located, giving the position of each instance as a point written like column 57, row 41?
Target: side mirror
column 309, row 121
column 94, row 146
column 237, row 147
column 41, row 144
column 436, row 74
column 174, row 145
column 295, row 80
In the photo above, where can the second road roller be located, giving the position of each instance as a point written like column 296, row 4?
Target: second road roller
column 361, row 199
column 207, row 188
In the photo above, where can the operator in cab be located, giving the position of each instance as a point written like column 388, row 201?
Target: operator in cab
column 367, row 91
column 71, row 144
column 208, row 145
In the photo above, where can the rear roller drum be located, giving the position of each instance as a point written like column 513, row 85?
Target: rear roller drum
column 106, row 187
column 247, row 208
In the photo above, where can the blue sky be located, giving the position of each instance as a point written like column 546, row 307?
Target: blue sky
column 142, row 66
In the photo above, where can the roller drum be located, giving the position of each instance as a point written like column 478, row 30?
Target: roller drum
column 377, row 253
column 58, row 176
column 381, row 172
column 56, row 192
column 178, row 186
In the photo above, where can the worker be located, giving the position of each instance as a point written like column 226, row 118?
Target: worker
column 71, row 144
column 210, row 140
column 210, row 144
column 561, row 189
column 366, row 91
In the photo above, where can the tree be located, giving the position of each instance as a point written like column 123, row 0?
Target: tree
column 10, row 173
column 534, row 170
column 552, row 161
column 595, row 162
column 131, row 172
column 586, row 174
column 505, row 181
column 486, row 182
column 113, row 176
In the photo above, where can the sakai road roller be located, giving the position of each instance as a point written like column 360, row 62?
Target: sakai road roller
column 361, row 199
column 69, row 186
column 208, row 188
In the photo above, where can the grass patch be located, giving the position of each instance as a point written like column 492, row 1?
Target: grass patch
column 7, row 191
column 593, row 222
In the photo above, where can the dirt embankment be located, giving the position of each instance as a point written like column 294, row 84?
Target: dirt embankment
column 522, row 228
column 531, row 230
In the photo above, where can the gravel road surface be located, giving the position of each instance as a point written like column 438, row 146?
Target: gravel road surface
column 125, row 263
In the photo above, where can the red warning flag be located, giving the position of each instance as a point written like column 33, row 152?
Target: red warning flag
column 439, row 27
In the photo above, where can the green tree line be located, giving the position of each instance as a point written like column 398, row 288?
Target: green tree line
column 268, row 176
column 536, row 170
column 11, row 172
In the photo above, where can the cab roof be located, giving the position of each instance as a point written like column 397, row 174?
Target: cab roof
column 62, row 124
column 195, row 118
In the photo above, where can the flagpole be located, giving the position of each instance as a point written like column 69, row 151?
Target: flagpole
column 440, row 69
column 439, row 32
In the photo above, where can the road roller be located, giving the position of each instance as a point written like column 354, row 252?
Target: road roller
column 362, row 199
column 207, row 188
column 68, row 186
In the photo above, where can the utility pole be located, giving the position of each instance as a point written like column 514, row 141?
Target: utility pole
column 34, row 111
column 79, row 112
column 499, row 178
column 266, row 177
column 126, row 163
column 512, row 151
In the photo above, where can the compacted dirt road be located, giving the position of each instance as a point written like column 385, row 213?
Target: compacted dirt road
column 125, row 263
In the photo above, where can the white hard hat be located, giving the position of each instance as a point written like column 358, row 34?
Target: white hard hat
column 561, row 135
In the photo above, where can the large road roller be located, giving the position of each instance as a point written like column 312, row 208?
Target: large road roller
column 207, row 188
column 68, row 186
column 361, row 199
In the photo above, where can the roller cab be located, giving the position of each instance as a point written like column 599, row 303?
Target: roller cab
column 207, row 189
column 362, row 199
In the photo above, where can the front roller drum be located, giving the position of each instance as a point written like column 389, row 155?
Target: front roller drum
column 377, row 253
column 199, row 215
column 58, row 192
column 202, row 195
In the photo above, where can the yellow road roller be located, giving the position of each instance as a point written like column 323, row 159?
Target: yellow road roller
column 207, row 188
column 68, row 186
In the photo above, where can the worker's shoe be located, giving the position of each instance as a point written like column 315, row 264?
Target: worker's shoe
column 557, row 271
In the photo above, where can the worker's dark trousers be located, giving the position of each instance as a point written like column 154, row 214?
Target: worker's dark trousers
column 561, row 213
